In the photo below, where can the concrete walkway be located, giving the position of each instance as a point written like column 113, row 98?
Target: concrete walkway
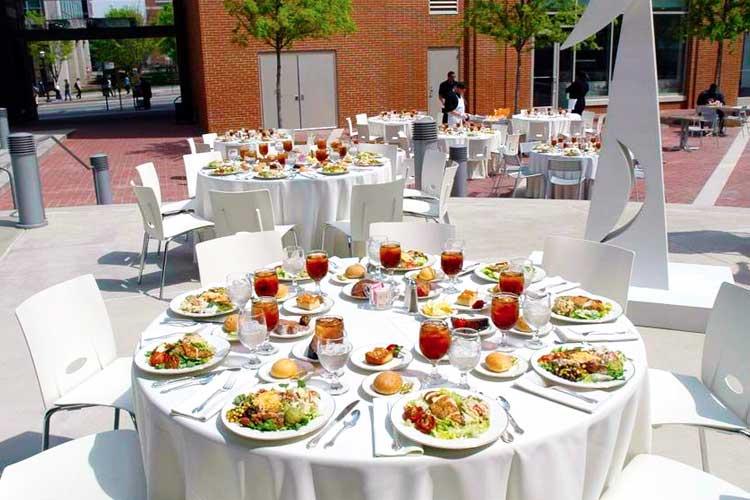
column 713, row 188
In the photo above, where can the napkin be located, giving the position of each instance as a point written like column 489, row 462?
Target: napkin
column 383, row 432
column 184, row 408
column 554, row 284
column 610, row 332
column 340, row 264
column 533, row 383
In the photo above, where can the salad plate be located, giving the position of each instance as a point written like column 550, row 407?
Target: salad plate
column 203, row 303
column 585, row 308
column 270, row 175
column 583, row 366
column 189, row 352
column 286, row 277
column 491, row 272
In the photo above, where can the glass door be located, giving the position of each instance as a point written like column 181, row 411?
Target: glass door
column 554, row 70
column 565, row 75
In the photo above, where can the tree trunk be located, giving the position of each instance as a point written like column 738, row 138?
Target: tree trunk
column 278, row 85
column 518, row 82
column 719, row 62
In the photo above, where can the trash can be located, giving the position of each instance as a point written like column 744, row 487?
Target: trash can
column 27, row 181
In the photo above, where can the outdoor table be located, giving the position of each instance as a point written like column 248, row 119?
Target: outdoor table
column 222, row 145
column 558, row 124
column 378, row 125
column 684, row 122
column 539, row 163
column 445, row 141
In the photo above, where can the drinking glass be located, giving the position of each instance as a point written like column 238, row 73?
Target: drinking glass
column 537, row 309
column 269, row 306
column 390, row 256
column 316, row 264
column 251, row 332
column 342, row 151
column 373, row 253
column 281, row 157
column 292, row 263
column 451, row 262
column 263, row 148
column 333, row 355
column 232, row 154
column 504, row 314
column 239, row 289
column 288, row 145
column 516, row 277
column 464, row 353
column 434, row 342
column 266, row 282
column 321, row 155
column 320, row 143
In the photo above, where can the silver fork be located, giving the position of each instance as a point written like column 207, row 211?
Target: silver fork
column 396, row 443
column 224, row 388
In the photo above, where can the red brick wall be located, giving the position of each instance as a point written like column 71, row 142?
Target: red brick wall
column 701, row 70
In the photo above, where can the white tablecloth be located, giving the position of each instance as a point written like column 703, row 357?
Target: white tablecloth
column 564, row 454
column 476, row 171
column 377, row 125
column 539, row 162
column 307, row 202
column 558, row 125
column 222, row 146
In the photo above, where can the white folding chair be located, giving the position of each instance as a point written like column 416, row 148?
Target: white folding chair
column 426, row 237
column 193, row 163
column 148, row 177
column 391, row 133
column 510, row 163
column 478, row 156
column 435, row 209
column 587, row 118
column 160, row 228
column 576, row 128
column 250, row 211
column 388, row 150
column 104, row 466
column 433, row 167
column 72, row 347
column 361, row 119
column 538, row 131
column 196, row 147
column 565, row 172
column 370, row 203
column 352, row 131
column 209, row 139
column 335, row 135
column 241, row 252
column 720, row 399
column 600, row 268
column 363, row 134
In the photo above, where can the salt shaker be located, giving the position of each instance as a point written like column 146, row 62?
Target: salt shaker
column 411, row 300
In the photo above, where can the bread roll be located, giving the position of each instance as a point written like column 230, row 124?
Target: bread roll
column 427, row 274
column 378, row 356
column 230, row 323
column 355, row 271
column 387, row 383
column 284, row 368
column 499, row 362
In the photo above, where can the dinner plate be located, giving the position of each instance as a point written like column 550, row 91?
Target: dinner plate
column 290, row 306
column 519, row 368
column 628, row 368
column 214, row 173
column 431, row 260
column 264, row 372
column 376, row 164
column 174, row 306
column 303, row 332
column 440, row 275
column 332, row 174
column 347, row 291
column 299, row 349
column 612, row 315
column 218, row 331
column 340, row 279
column 370, row 391
column 498, row 423
column 220, row 346
column 357, row 358
column 539, row 274
column 287, row 279
column 543, row 332
column 261, row 178
column 485, row 332
column 435, row 316
column 326, row 407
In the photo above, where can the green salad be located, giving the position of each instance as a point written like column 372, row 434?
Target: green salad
column 275, row 409
column 445, row 414
column 585, row 365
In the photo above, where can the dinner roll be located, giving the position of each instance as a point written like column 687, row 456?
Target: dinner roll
column 378, row 356
column 387, row 383
column 355, row 271
column 427, row 274
column 498, row 362
column 230, row 323
column 283, row 291
column 284, row 368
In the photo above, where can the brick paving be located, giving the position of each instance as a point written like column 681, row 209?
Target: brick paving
column 736, row 192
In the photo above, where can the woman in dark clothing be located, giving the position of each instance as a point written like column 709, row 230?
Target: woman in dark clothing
column 578, row 90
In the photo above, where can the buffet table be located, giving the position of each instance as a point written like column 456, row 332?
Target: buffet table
column 539, row 163
column 558, row 124
column 564, row 452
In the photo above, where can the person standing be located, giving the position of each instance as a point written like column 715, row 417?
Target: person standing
column 110, row 91
column 578, row 90
column 58, row 94
column 126, row 83
column 67, row 91
column 77, row 86
column 712, row 96
column 446, row 88
column 455, row 105
column 146, row 93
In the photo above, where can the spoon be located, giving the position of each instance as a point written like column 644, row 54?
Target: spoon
column 506, row 406
column 353, row 418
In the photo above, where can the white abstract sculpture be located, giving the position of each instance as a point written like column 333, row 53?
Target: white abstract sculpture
column 633, row 132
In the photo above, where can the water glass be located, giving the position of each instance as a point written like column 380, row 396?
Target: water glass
column 232, row 154
column 537, row 309
column 293, row 261
column 239, row 289
column 373, row 253
column 333, row 355
column 465, row 353
column 252, row 332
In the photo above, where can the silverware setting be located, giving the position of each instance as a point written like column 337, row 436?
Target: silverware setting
column 198, row 381
column 353, row 419
column 343, row 413
column 575, row 395
column 396, row 443
column 506, row 406
column 161, row 383
column 553, row 285
column 469, row 269
column 224, row 388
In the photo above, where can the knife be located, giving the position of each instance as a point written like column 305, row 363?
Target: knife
column 160, row 383
column 314, row 441
column 468, row 269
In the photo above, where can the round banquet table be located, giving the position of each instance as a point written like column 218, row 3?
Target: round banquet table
column 571, row 453
column 222, row 146
column 377, row 125
column 539, row 162
column 558, row 125
column 476, row 171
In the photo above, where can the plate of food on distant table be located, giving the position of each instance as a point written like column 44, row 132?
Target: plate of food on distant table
column 585, row 308
column 334, row 169
column 182, row 353
column 308, row 303
column 204, row 303
column 583, row 366
column 368, row 159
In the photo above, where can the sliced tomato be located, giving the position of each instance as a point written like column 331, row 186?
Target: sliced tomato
column 425, row 424
column 156, row 358
column 171, row 361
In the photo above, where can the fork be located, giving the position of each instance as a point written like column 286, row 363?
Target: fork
column 396, row 443
column 224, row 388
column 552, row 285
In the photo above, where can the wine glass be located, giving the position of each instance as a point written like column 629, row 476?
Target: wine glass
column 434, row 342
column 251, row 332
column 373, row 253
column 316, row 264
column 292, row 263
column 516, row 277
column 333, row 355
column 239, row 289
column 537, row 309
column 451, row 262
column 390, row 257
column 504, row 314
column 269, row 306
column 464, row 353
column 266, row 282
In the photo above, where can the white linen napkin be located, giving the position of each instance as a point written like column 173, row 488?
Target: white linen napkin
column 533, row 383
column 383, row 432
column 340, row 263
column 553, row 284
column 609, row 332
column 184, row 408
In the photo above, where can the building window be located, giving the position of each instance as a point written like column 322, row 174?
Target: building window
column 745, row 70
column 443, row 6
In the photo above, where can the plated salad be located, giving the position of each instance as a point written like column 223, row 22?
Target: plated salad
column 444, row 414
column 212, row 301
column 492, row 271
column 581, row 307
column 191, row 350
column 412, row 259
column 334, row 168
column 270, row 174
column 585, row 364
column 283, row 275
column 224, row 170
column 366, row 158
column 275, row 409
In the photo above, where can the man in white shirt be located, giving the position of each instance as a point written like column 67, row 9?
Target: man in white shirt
column 455, row 106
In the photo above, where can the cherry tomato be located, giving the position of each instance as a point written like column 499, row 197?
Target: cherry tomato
column 425, row 424
column 156, row 358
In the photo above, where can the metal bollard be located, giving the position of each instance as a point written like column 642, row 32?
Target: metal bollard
column 424, row 137
column 4, row 129
column 102, row 187
column 459, row 154
column 27, row 182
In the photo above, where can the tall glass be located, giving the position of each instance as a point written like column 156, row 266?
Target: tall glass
column 451, row 262
column 390, row 256
column 266, row 283
column 320, row 143
column 504, row 314
column 251, row 332
column 373, row 253
column 239, row 289
column 316, row 265
column 537, row 309
column 516, row 277
column 263, row 149
column 288, row 145
column 327, row 329
column 293, row 262
column 270, row 309
column 333, row 355
column 465, row 353
column 434, row 342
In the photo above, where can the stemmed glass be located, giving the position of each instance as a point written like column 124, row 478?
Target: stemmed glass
column 373, row 253
column 537, row 309
column 333, row 355
column 504, row 314
column 390, row 257
column 269, row 306
column 434, row 342
column 239, row 289
column 464, row 353
column 292, row 263
column 451, row 262
column 266, row 282
column 316, row 264
column 516, row 277
column 251, row 332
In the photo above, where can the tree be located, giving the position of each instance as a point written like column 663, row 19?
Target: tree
column 126, row 53
column 281, row 23
column 166, row 18
column 56, row 52
column 717, row 21
column 522, row 24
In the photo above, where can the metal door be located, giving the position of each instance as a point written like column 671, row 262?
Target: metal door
column 317, row 89
column 439, row 63
column 290, row 105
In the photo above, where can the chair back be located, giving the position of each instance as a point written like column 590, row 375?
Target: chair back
column 249, row 211
column 600, row 124
column 191, row 145
column 193, row 163
column 433, row 168
column 241, row 252
column 449, row 176
column 576, row 128
column 335, row 135
column 375, row 203
column 527, row 147
column 565, row 167
column 588, row 119
column 724, row 367
column 361, row 119
column 388, row 150
column 68, row 334
column 363, row 133
column 352, row 132
column 391, row 133
column 501, row 129
column 153, row 223
column 428, row 238
column 479, row 149
column 538, row 131
column 148, row 177
column 600, row 268
column 511, row 144
column 209, row 139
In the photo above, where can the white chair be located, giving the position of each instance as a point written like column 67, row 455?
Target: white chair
column 426, row 237
column 148, row 177
column 193, row 163
column 72, row 347
column 388, row 150
column 241, row 252
column 651, row 477
column 352, row 131
column 363, row 134
column 565, row 172
column 361, row 119
column 478, row 156
column 391, row 133
column 370, row 203
column 600, row 124
column 435, row 209
column 498, row 146
column 433, row 167
column 510, row 163
column 196, row 147
column 335, row 135
column 576, row 128
column 95, row 467
column 538, row 131
column 250, row 211
column 600, row 268
column 160, row 228
column 588, row 121
column 720, row 398
column 209, row 139
column 516, row 170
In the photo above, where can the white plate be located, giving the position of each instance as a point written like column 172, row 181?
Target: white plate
column 304, row 332
column 220, row 345
column 518, row 368
column 347, row 291
column 543, row 332
column 358, row 358
column 340, row 279
column 174, row 306
column 629, row 370
column 498, row 423
column 487, row 332
column 299, row 349
column 285, row 279
column 370, row 379
column 431, row 260
column 613, row 314
column 326, row 407
column 440, row 275
column 219, row 331
column 539, row 274
column 290, row 306
column 264, row 372
column 430, row 316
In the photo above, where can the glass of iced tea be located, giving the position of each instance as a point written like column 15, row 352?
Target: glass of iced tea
column 390, row 256
column 321, row 155
column 316, row 264
column 342, row 151
column 281, row 158
column 263, row 148
column 270, row 309
column 451, row 262
column 512, row 280
column 434, row 342
column 321, row 143
column 266, row 283
column 504, row 314
column 288, row 145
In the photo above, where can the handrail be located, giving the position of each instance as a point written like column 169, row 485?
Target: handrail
column 12, row 186
column 71, row 153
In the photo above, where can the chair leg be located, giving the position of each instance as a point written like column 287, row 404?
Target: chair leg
column 349, row 243
column 704, row 450
column 144, row 250
column 163, row 269
column 45, row 432
column 158, row 248
column 116, row 424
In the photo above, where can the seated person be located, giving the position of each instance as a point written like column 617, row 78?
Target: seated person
column 712, row 96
